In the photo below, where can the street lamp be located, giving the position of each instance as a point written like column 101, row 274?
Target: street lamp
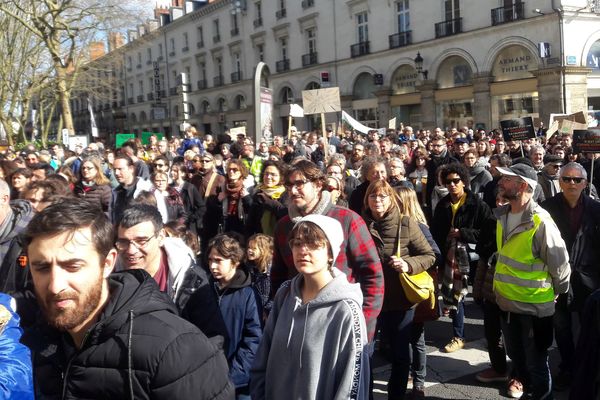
column 238, row 6
column 419, row 66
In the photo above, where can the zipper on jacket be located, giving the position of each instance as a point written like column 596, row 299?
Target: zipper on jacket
column 66, row 373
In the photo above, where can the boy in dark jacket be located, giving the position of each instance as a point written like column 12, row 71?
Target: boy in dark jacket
column 239, row 308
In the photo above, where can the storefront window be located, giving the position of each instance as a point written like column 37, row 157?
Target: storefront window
column 593, row 58
column 514, row 106
column 408, row 115
column 454, row 72
column 367, row 116
column 455, row 114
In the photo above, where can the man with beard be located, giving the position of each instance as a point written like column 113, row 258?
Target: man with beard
column 207, row 180
column 109, row 335
column 355, row 163
column 358, row 259
column 439, row 156
column 532, row 270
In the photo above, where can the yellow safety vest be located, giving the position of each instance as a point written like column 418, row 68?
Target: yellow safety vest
column 520, row 276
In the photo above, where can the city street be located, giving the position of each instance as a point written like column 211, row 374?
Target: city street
column 452, row 376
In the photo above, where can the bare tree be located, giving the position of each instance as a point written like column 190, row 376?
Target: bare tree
column 65, row 28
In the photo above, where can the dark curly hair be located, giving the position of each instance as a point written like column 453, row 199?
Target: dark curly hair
column 455, row 168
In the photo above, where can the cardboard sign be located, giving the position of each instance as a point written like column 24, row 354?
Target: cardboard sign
column 238, row 130
column 78, row 141
column 517, row 129
column 586, row 140
column 321, row 101
column 122, row 138
column 392, row 123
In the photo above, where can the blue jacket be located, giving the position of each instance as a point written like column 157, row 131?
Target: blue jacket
column 16, row 380
column 239, row 307
column 188, row 143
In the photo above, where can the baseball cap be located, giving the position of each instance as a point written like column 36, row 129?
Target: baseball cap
column 460, row 140
column 522, row 171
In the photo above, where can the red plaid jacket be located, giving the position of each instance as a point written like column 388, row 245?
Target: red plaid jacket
column 360, row 261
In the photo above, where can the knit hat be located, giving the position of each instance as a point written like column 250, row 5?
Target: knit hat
column 331, row 228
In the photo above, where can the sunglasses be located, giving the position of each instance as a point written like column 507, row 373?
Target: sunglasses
column 571, row 179
column 455, row 181
column 299, row 184
column 332, row 188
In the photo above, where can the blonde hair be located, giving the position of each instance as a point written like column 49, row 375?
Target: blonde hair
column 265, row 245
column 409, row 204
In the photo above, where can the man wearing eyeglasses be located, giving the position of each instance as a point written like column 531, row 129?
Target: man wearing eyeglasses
column 532, row 270
column 358, row 259
column 142, row 244
column 577, row 216
column 104, row 334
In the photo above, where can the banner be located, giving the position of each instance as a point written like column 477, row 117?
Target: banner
column 146, row 137
column 121, row 138
column 266, row 114
column 517, row 129
column 92, row 120
column 586, row 140
column 354, row 123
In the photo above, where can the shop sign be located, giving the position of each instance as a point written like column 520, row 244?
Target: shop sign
column 404, row 80
column 454, row 71
column 513, row 62
column 517, row 129
column 593, row 58
column 586, row 141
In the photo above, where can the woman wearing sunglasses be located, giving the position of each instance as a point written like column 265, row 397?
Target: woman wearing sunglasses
column 458, row 220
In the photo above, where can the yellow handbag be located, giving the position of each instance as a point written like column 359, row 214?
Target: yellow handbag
column 418, row 287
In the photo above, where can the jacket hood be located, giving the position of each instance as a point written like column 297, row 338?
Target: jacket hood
column 132, row 292
column 336, row 290
column 240, row 280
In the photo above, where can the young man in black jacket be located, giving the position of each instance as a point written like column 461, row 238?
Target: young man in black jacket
column 109, row 335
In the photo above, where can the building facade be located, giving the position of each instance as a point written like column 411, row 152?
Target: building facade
column 428, row 63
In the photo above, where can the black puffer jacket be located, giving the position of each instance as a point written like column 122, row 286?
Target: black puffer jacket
column 139, row 349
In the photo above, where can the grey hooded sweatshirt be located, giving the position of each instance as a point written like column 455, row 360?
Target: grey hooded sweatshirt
column 313, row 350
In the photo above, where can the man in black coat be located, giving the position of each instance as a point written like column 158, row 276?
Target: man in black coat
column 439, row 156
column 577, row 217
column 109, row 335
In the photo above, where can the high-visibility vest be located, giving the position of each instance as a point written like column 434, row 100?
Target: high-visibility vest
column 520, row 276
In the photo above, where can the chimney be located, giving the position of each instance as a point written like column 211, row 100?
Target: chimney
column 97, row 50
column 115, row 40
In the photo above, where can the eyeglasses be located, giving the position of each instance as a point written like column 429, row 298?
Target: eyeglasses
column 88, row 168
column 571, row 179
column 139, row 243
column 454, row 181
column 299, row 184
column 332, row 188
column 380, row 197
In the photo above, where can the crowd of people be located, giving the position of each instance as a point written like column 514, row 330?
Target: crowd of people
column 218, row 268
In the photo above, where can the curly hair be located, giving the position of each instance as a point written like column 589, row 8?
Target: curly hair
column 455, row 168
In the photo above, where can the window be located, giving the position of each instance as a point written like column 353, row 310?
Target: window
column 283, row 47
column 216, row 27
column 260, row 51
column 200, row 36
column 160, row 50
column 129, row 62
column 172, row 41
column 151, row 84
column 258, row 10
column 234, row 24
column 237, row 64
column 186, row 42
column 203, row 71
column 141, row 84
column 311, row 38
column 149, row 53
column 451, row 9
column 139, row 57
column 362, row 27
column 403, row 16
column 218, row 66
column 131, row 90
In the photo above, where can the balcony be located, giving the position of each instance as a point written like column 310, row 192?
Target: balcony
column 279, row 14
column 139, row 66
column 359, row 49
column 502, row 15
column 140, row 98
column 236, row 76
column 130, row 101
column 283, row 65
column 173, row 91
column 307, row 3
column 202, row 84
column 160, row 58
column 149, row 62
column 216, row 38
column 200, row 44
column 218, row 81
column 258, row 22
column 150, row 96
column 162, row 93
column 235, row 31
column 185, row 49
column 448, row 28
column 309, row 59
column 172, row 54
column 400, row 39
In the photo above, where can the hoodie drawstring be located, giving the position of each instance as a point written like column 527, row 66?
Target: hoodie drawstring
column 303, row 334
column 129, row 357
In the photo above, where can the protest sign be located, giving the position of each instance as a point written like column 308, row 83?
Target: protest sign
column 517, row 129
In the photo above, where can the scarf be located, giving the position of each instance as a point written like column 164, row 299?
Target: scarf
column 268, row 219
column 322, row 206
column 233, row 191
